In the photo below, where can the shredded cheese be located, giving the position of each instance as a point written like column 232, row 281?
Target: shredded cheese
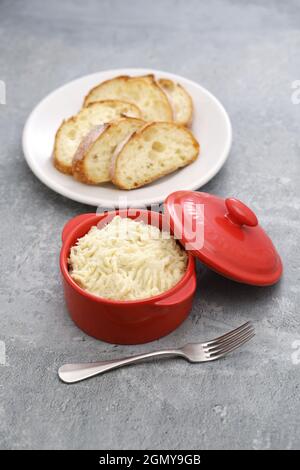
column 127, row 260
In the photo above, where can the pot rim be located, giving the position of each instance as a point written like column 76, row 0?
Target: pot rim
column 190, row 269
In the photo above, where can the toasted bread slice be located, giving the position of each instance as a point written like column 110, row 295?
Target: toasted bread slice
column 92, row 160
column 155, row 150
column 142, row 91
column 180, row 100
column 72, row 131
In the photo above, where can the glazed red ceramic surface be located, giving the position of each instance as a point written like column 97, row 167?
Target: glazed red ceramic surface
column 124, row 322
column 225, row 235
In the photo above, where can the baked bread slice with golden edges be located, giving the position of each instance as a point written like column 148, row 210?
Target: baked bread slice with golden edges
column 181, row 101
column 72, row 131
column 143, row 91
column 155, row 150
column 92, row 160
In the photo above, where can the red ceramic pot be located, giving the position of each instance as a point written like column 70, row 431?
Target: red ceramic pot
column 124, row 322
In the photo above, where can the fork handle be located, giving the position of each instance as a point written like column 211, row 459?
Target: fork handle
column 70, row 373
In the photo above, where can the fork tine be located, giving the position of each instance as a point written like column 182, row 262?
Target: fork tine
column 228, row 341
column 229, row 349
column 228, row 345
column 236, row 346
column 228, row 335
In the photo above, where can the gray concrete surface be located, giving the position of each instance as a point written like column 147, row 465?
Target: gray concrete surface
column 248, row 54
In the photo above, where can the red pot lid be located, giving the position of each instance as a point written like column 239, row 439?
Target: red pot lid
column 225, row 235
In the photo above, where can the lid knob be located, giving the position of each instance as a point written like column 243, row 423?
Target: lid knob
column 239, row 213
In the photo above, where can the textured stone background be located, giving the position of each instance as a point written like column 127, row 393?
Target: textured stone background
column 248, row 54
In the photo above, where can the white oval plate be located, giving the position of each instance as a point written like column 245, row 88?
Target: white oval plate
column 211, row 126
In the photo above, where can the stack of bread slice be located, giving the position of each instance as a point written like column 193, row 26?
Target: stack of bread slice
column 130, row 130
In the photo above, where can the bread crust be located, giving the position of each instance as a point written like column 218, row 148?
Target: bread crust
column 126, row 79
column 116, row 153
column 136, row 135
column 114, row 102
column 57, row 163
column 78, row 164
column 67, row 169
column 166, row 84
column 80, row 154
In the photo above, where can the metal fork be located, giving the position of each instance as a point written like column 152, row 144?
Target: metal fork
column 193, row 352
